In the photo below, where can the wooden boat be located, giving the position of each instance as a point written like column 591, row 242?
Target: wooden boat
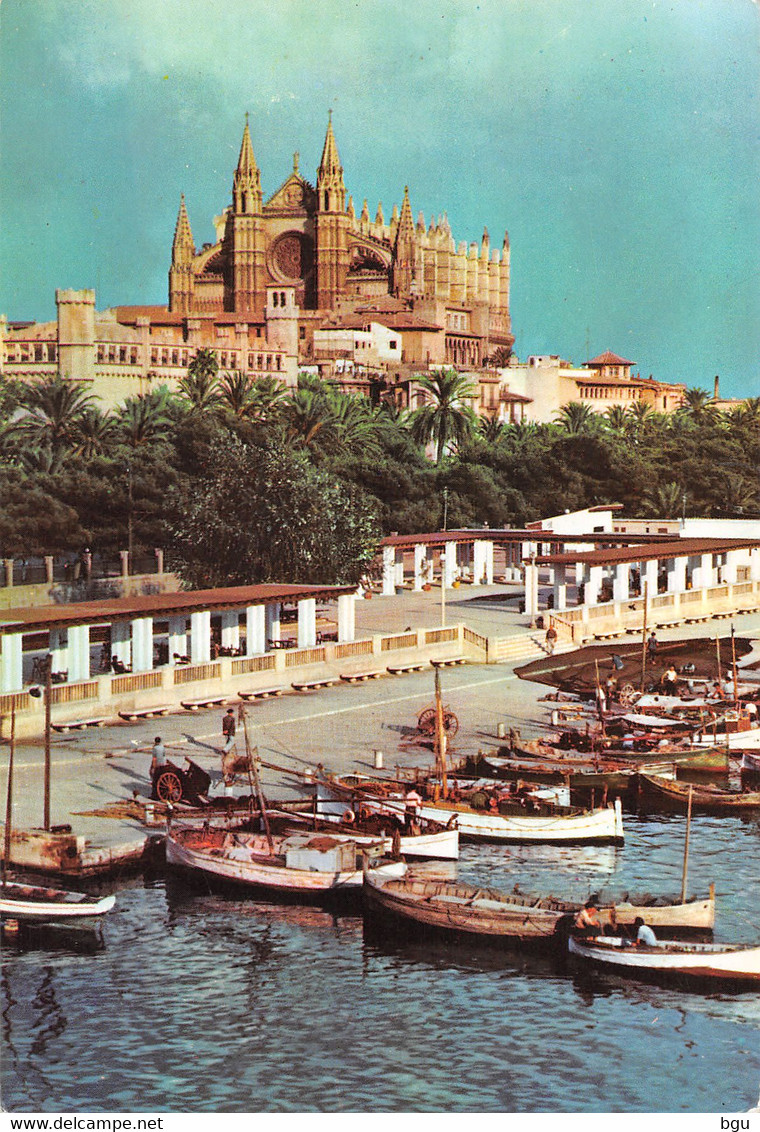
column 432, row 841
column 300, row 866
column 31, row 903
column 511, row 823
column 707, row 964
column 710, row 760
column 707, row 799
column 420, row 904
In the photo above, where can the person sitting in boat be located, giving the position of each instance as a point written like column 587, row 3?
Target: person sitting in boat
column 413, row 803
column 645, row 937
column 670, row 681
column 587, row 921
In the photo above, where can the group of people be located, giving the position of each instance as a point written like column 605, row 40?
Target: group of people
column 587, row 925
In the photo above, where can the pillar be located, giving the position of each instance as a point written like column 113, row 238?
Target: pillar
column 478, row 562
column 420, row 559
column 177, row 638
column 49, row 569
column 651, row 570
column 531, row 589
column 8, row 572
column 200, row 636
column 124, row 556
column 347, row 616
column 159, row 560
column 231, row 629
column 79, row 652
column 449, row 563
column 488, row 551
column 307, row 623
column 11, row 655
column 593, row 585
column 732, row 563
column 754, row 563
column 272, row 621
column 121, row 642
column 142, row 644
column 59, row 650
column 389, row 571
column 560, row 586
column 677, row 574
column 255, row 630
column 621, row 590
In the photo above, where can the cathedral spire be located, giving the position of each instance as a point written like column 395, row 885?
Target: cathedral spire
column 331, row 191
column 183, row 248
column 246, row 186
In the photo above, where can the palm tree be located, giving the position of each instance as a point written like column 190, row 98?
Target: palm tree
column 269, row 397
column 492, row 430
column 200, row 384
column 446, row 418
column 500, row 357
column 697, row 407
column 55, row 407
column 356, row 423
column 236, row 393
column 617, row 419
column 577, row 419
column 93, row 434
column 666, row 501
column 145, row 419
column 308, row 418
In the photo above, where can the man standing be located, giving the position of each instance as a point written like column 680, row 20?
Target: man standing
column 157, row 763
column 228, row 729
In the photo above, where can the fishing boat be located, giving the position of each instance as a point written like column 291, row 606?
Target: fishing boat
column 674, row 796
column 707, row 965
column 711, row 759
column 301, row 866
column 511, row 822
column 31, row 903
column 426, row 841
column 420, row 905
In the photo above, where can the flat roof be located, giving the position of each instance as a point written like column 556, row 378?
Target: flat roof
column 509, row 536
column 644, row 552
column 34, row 618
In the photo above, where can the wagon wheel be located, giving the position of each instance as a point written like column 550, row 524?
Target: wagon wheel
column 450, row 723
column 169, row 786
column 426, row 721
column 627, row 692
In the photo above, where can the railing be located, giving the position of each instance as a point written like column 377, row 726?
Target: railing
column 353, row 648
column 476, row 639
column 436, row 636
column 73, row 693
column 743, row 588
column 305, row 656
column 253, row 664
column 690, row 595
column 189, row 673
column 14, row 700
column 137, row 682
column 401, row 641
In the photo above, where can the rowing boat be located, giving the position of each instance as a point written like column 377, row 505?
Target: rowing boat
column 705, row 964
column 510, row 823
column 674, row 796
column 33, row 903
column 300, row 866
column 432, row 841
column 421, row 905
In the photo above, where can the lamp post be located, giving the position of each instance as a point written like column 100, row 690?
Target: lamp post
column 46, row 692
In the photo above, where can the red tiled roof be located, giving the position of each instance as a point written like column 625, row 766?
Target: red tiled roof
column 609, row 359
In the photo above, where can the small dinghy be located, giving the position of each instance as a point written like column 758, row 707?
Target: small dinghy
column 703, row 965
column 31, row 903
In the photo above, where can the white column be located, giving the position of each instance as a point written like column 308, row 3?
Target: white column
column 754, row 564
column 200, row 636
column 11, row 656
column 255, row 630
column 593, row 585
column 272, row 621
column 389, row 571
column 59, row 650
column 307, row 623
column 399, row 575
column 729, row 570
column 478, row 562
column 621, row 582
column 650, row 576
column 79, row 652
column 177, row 638
column 230, row 629
column 142, row 644
column 121, row 642
column 560, row 587
column 677, row 574
column 488, row 549
column 420, row 559
column 347, row 616
column 531, row 589
column 449, row 562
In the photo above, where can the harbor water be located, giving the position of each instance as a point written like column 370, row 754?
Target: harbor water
column 202, row 1002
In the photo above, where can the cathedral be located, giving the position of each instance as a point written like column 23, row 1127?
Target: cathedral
column 451, row 301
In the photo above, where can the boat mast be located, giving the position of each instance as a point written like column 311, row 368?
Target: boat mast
column 253, row 772
column 440, row 736
column 686, row 846
column 9, row 798
column 733, row 660
column 644, row 640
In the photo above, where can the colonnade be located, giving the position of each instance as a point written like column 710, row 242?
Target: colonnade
column 471, row 558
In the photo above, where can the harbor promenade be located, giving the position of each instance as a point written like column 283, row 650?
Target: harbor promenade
column 342, row 726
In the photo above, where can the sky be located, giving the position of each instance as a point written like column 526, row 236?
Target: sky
column 616, row 141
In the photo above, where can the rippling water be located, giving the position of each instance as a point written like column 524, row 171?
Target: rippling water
column 204, row 1003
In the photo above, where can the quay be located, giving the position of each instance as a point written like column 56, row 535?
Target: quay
column 100, row 781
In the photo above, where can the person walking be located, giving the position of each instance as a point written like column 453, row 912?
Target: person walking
column 551, row 638
column 157, row 764
column 228, row 729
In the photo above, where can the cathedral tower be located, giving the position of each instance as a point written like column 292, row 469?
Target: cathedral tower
column 245, row 275
column 331, row 223
column 181, row 271
column 405, row 251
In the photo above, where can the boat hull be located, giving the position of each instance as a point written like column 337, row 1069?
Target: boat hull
column 34, row 904
column 674, row 798
column 708, row 965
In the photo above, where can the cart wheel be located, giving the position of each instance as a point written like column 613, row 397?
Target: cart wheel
column 450, row 723
column 627, row 692
column 169, row 786
column 426, row 721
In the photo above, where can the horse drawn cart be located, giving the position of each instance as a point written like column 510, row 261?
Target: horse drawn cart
column 189, row 784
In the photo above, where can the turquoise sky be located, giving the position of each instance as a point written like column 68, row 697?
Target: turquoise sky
column 616, row 140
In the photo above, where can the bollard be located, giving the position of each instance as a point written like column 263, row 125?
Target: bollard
column 501, row 730
column 378, row 760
